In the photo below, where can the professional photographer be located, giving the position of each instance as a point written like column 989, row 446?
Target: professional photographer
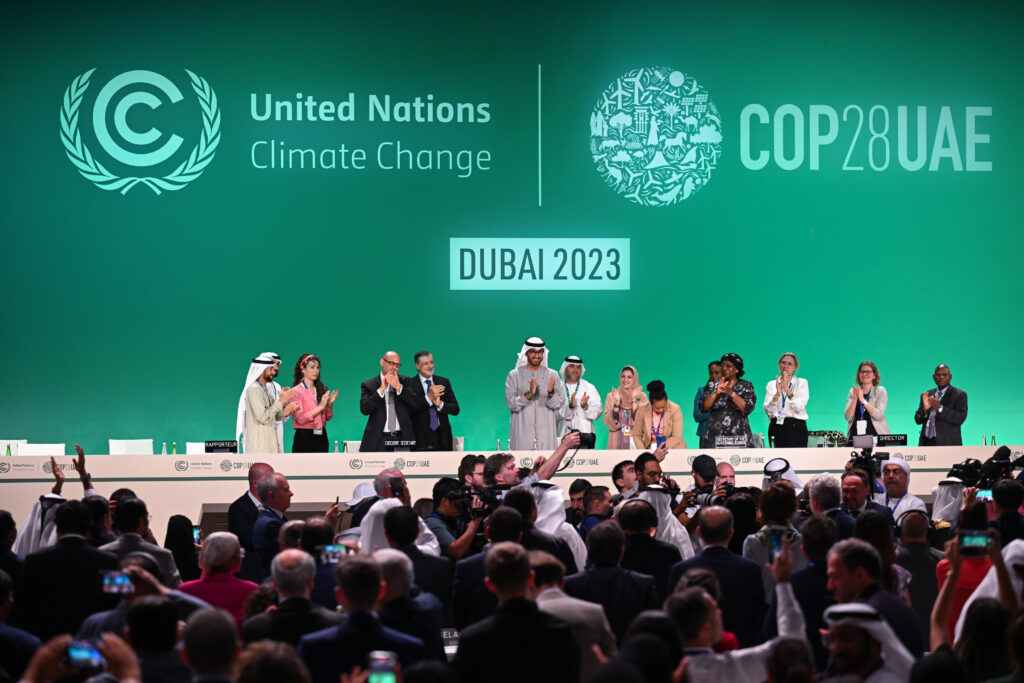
column 708, row 489
column 662, row 492
column 454, row 525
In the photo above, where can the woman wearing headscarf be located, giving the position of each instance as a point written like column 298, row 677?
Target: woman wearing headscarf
column 316, row 406
column 785, row 403
column 730, row 400
column 660, row 422
column 620, row 408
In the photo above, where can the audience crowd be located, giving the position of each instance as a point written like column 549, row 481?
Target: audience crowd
column 497, row 579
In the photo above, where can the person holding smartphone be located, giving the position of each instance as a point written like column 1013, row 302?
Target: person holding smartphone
column 316, row 406
column 775, row 507
column 659, row 422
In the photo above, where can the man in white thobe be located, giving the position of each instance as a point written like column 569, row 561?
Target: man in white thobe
column 582, row 402
column 535, row 395
column 264, row 406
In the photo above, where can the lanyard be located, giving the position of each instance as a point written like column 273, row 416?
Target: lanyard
column 898, row 501
column 860, row 406
column 786, row 393
column 265, row 391
column 568, row 396
column 661, row 422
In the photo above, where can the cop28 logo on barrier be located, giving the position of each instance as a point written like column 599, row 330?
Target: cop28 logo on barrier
column 123, row 93
column 655, row 136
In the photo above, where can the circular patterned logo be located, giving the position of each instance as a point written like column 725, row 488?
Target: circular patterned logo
column 690, row 459
column 735, row 460
column 355, row 463
column 225, row 465
column 180, row 465
column 398, row 463
column 47, row 467
column 5, row 467
column 655, row 136
column 526, row 461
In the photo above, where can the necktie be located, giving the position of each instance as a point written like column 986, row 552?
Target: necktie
column 434, row 422
column 391, row 423
column 929, row 427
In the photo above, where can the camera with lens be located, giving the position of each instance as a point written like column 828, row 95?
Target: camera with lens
column 868, row 461
column 999, row 466
column 705, row 496
column 587, row 441
column 490, row 496
column 968, row 471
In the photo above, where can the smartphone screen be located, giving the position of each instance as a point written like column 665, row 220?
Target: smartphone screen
column 195, row 535
column 974, row 541
column 776, row 534
column 396, row 486
column 985, row 495
column 332, row 554
column 82, row 654
column 382, row 666
column 117, row 583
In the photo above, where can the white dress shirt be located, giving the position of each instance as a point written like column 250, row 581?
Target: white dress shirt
column 795, row 407
column 391, row 417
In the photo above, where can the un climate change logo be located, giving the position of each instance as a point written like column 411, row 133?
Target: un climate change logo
column 122, row 93
column 655, row 136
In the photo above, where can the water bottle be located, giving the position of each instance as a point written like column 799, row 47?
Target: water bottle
column 508, row 444
column 174, row 448
column 8, row 454
column 993, row 440
column 497, row 446
column 240, row 438
column 534, row 443
column 336, row 447
column 163, row 449
column 984, row 439
column 344, row 447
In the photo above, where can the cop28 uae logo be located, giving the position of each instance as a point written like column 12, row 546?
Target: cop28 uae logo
column 655, row 136
column 123, row 93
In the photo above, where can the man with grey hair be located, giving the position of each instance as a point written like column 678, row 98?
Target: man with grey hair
column 406, row 608
column 854, row 574
column 296, row 615
column 372, row 525
column 275, row 498
column 825, row 495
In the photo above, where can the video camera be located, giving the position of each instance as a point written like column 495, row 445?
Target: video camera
column 869, row 461
column 490, row 496
column 998, row 467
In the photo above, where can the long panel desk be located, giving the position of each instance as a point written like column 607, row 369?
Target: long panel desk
column 180, row 484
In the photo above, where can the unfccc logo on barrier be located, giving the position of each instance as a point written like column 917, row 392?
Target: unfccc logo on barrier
column 121, row 94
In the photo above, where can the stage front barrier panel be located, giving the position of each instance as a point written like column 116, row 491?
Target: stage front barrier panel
column 184, row 484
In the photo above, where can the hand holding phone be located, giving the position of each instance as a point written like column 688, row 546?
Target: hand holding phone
column 117, row 583
column 83, row 654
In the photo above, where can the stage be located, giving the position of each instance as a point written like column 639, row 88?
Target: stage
column 180, row 484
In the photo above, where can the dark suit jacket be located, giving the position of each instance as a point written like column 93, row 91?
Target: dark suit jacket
column 293, row 618
column 623, row 594
column 810, row 586
column 871, row 505
column 433, row 574
column 947, row 423
column 418, row 616
column 264, row 539
column 427, row 439
column 11, row 563
column 60, row 587
column 511, row 645
column 742, row 598
column 900, row 616
column 375, row 407
column 16, row 650
column 844, row 526
column 471, row 599
column 336, row 650
column 650, row 556
column 920, row 560
column 241, row 519
column 1010, row 526
column 535, row 539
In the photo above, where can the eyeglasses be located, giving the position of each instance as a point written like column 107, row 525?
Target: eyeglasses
column 393, row 363
column 867, row 372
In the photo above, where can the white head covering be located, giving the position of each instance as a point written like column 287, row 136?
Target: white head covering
column 670, row 529
column 532, row 343
column 946, row 500
column 896, row 659
column 256, row 368
column 572, row 360
column 39, row 530
column 903, row 464
column 1013, row 554
column 551, row 519
column 372, row 528
column 361, row 492
column 788, row 474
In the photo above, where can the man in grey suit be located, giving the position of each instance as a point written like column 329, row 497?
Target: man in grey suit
column 586, row 618
column 133, row 520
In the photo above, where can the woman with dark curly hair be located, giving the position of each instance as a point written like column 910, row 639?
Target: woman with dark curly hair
column 730, row 400
column 316, row 406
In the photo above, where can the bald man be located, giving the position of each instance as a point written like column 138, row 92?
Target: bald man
column 242, row 518
column 385, row 402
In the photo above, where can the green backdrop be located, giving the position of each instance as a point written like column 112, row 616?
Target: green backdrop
column 135, row 315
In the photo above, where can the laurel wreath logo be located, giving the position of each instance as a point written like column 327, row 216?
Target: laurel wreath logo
column 93, row 170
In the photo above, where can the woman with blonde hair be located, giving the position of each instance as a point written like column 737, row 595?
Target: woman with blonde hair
column 785, row 403
column 866, row 402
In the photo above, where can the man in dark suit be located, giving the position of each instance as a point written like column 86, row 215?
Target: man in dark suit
column 433, row 574
column 826, row 497
column 856, row 495
column 9, row 561
column 941, row 411
column 644, row 553
column 621, row 592
column 385, row 402
column 471, row 600
column 406, row 608
column 1008, row 494
column 210, row 646
column 338, row 649
column 296, row 615
column 517, row 626
column 61, row 586
column 276, row 497
column 742, row 597
column 533, row 538
column 918, row 557
column 854, row 571
column 242, row 516
column 432, row 402
column 133, row 521
column 16, row 646
column 810, row 586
